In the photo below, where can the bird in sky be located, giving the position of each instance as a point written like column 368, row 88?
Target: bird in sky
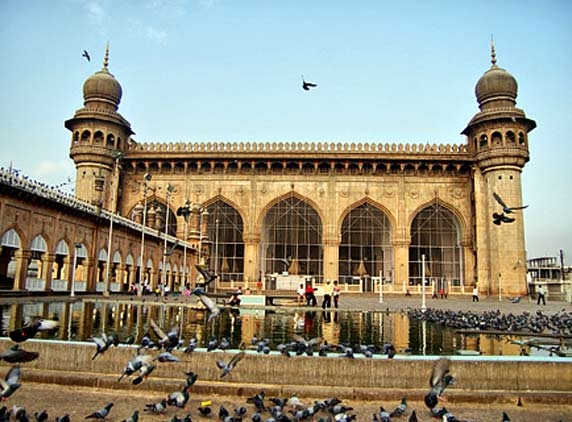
column 31, row 327
column 440, row 379
column 306, row 86
column 86, row 55
column 101, row 413
column 228, row 367
column 16, row 354
column 505, row 208
column 207, row 302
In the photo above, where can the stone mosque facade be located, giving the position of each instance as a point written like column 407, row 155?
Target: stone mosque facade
column 278, row 212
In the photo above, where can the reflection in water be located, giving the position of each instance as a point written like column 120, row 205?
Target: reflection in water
column 82, row 319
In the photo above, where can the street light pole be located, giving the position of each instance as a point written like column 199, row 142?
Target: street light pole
column 217, row 221
column 185, row 211
column 146, row 179
column 423, row 305
column 169, row 191
column 77, row 246
column 117, row 155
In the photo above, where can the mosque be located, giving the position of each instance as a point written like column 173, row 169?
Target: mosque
column 282, row 213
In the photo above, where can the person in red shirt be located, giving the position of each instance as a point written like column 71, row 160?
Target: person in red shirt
column 310, row 297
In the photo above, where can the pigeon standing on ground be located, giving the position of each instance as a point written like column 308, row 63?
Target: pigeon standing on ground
column 228, row 367
column 101, row 413
column 133, row 418
column 400, row 409
column 41, row 416
column 439, row 381
column 32, row 327
column 157, row 408
column 16, row 354
column 86, row 55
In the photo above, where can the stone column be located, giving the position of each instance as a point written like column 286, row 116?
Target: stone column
column 22, row 261
column 251, row 262
column 331, row 258
column 401, row 261
column 47, row 269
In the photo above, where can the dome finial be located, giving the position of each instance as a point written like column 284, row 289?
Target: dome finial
column 106, row 57
column 493, row 54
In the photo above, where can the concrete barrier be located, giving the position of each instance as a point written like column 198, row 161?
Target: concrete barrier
column 542, row 379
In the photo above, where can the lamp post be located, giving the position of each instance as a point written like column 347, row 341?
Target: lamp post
column 217, row 221
column 146, row 180
column 380, row 288
column 169, row 191
column 77, row 246
column 185, row 211
column 423, row 305
column 117, row 156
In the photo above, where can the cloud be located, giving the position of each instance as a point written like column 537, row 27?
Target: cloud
column 95, row 12
column 155, row 34
column 176, row 8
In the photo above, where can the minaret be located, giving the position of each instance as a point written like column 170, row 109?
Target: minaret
column 497, row 137
column 99, row 136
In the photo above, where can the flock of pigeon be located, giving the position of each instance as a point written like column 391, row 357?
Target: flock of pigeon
column 159, row 348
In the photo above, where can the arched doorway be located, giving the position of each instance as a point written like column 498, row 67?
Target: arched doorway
column 365, row 250
column 9, row 244
column 436, row 234
column 291, row 240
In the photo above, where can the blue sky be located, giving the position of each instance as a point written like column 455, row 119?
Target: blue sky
column 230, row 70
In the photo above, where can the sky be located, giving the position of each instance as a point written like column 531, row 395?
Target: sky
column 230, row 70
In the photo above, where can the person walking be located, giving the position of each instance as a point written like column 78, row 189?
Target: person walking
column 541, row 295
column 336, row 294
column 475, row 294
column 328, row 292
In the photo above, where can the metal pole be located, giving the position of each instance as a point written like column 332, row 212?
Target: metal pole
column 72, row 289
column 216, row 246
column 185, row 253
column 117, row 156
column 380, row 288
column 423, row 304
column 169, row 190
column 200, row 210
column 146, row 178
column 500, row 288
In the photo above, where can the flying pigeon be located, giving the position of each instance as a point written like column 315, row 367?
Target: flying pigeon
column 170, row 251
column 170, row 340
column 144, row 373
column 135, row 364
column 15, row 354
column 101, row 413
column 439, row 381
column 86, row 55
column 501, row 218
column 11, row 383
column 228, row 367
column 208, row 275
column 103, row 343
column 306, row 86
column 31, row 328
column 505, row 208
column 207, row 302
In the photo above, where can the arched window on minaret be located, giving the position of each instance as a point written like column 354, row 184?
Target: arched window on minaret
column 85, row 136
column 484, row 141
column 98, row 137
column 521, row 139
column 75, row 139
column 496, row 139
column 510, row 138
column 110, row 140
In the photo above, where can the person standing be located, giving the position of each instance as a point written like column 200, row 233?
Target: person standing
column 475, row 294
column 328, row 292
column 300, row 293
column 337, row 290
column 541, row 295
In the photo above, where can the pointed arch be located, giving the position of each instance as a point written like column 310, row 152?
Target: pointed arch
column 39, row 244
column 436, row 235
column 366, row 246
column 291, row 237
column 62, row 248
column 11, row 239
column 225, row 230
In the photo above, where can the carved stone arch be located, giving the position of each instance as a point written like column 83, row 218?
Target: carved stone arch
column 110, row 140
column 117, row 258
column 366, row 200
column 510, row 137
column 496, row 139
column 39, row 244
column 98, row 137
column 75, row 137
column 222, row 198
column 463, row 224
column 264, row 210
column 12, row 238
column 85, row 136
column 62, row 248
